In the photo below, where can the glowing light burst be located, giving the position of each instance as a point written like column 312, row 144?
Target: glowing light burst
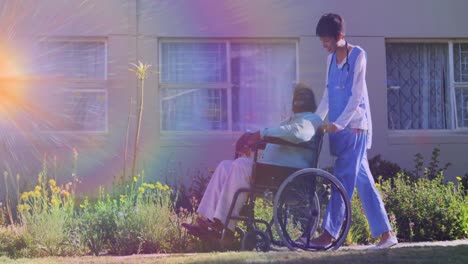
column 12, row 84
column 40, row 100
column 36, row 104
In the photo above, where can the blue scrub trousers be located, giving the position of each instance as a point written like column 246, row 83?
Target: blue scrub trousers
column 352, row 169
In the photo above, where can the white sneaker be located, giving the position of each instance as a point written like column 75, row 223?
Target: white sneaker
column 392, row 241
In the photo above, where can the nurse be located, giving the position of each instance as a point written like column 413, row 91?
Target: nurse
column 350, row 132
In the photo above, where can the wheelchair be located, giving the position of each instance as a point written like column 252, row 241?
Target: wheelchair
column 301, row 196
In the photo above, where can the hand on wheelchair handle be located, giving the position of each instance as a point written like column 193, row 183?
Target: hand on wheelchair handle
column 328, row 128
column 323, row 129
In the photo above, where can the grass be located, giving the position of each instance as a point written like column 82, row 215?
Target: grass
column 456, row 254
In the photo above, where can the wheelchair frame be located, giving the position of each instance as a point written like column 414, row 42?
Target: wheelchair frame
column 271, row 184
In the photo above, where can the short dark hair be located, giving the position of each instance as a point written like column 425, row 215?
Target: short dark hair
column 303, row 99
column 330, row 25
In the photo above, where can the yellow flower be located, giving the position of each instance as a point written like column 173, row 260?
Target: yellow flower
column 23, row 207
column 459, row 178
column 148, row 185
column 135, row 179
column 166, row 187
column 141, row 190
column 377, row 185
column 56, row 189
column 54, row 201
column 159, row 186
column 52, row 182
column 82, row 206
column 24, row 196
column 37, row 194
column 66, row 194
column 37, row 188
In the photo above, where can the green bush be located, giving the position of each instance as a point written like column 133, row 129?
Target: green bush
column 141, row 220
column 47, row 214
column 2, row 215
column 13, row 243
column 184, row 196
column 144, row 221
column 464, row 182
column 384, row 169
column 179, row 239
column 140, row 217
column 426, row 209
column 97, row 223
column 432, row 171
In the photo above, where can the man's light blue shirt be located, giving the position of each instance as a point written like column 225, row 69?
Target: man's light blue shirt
column 300, row 127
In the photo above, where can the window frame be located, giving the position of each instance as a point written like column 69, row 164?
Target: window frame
column 456, row 84
column 455, row 129
column 220, row 85
column 85, row 85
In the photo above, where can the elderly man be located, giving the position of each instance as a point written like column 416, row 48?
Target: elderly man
column 231, row 175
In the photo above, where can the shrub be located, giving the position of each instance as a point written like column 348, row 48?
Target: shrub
column 13, row 242
column 184, row 196
column 138, row 218
column 433, row 170
column 464, row 182
column 144, row 220
column 179, row 239
column 426, row 209
column 384, row 169
column 2, row 215
column 97, row 225
column 47, row 213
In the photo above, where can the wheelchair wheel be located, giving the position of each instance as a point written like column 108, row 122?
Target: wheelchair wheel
column 257, row 240
column 300, row 205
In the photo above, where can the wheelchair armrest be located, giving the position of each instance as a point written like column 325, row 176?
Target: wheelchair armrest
column 278, row 141
column 316, row 146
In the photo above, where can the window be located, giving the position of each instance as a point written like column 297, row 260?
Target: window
column 460, row 52
column 73, row 74
column 225, row 85
column 422, row 92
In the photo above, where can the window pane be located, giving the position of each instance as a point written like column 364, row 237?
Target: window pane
column 194, row 109
column 72, row 59
column 461, row 95
column 263, row 76
column 75, row 110
column 418, row 94
column 460, row 52
column 193, row 62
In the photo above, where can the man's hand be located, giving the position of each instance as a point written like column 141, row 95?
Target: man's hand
column 328, row 128
column 246, row 142
column 254, row 138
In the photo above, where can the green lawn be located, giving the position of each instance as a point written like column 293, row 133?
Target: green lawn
column 457, row 254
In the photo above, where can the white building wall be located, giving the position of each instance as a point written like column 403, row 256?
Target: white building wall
column 369, row 24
